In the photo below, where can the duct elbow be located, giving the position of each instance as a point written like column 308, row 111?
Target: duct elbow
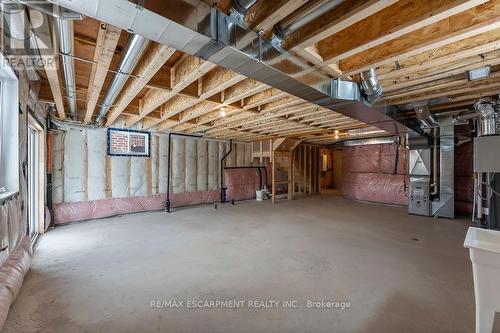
column 487, row 109
column 239, row 9
column 424, row 115
column 371, row 85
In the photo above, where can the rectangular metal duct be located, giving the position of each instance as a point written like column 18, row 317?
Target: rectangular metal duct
column 445, row 206
column 371, row 141
column 193, row 27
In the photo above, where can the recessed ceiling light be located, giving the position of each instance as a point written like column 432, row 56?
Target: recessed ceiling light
column 336, row 136
column 479, row 73
column 336, row 131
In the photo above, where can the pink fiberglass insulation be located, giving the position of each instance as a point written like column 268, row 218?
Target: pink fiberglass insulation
column 241, row 184
column 375, row 187
column 370, row 173
column 374, row 159
column 12, row 275
column 87, row 210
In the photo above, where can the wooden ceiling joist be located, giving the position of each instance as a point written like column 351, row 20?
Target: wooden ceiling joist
column 403, row 17
column 107, row 40
column 51, row 67
column 212, row 83
column 339, row 18
column 152, row 62
column 264, row 14
column 432, row 61
column 183, row 73
column 467, row 24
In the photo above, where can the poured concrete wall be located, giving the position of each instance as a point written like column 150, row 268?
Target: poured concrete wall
column 83, row 171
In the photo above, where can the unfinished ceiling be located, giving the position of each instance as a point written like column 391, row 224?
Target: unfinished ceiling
column 421, row 50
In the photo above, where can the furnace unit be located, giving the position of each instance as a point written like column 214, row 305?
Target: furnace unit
column 420, row 176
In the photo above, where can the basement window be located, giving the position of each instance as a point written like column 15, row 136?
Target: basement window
column 128, row 142
column 9, row 130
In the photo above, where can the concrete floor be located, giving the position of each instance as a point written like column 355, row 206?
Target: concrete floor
column 401, row 273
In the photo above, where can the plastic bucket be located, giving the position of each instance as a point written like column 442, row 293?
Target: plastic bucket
column 484, row 251
column 259, row 195
column 264, row 194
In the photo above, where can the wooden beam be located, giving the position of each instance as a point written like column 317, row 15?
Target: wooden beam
column 161, row 80
column 265, row 14
column 215, row 81
column 107, row 40
column 151, row 63
column 266, row 96
column 55, row 88
column 441, row 74
column 438, row 60
column 468, row 89
column 51, row 67
column 337, row 19
column 470, row 23
column 183, row 73
column 457, row 80
column 403, row 17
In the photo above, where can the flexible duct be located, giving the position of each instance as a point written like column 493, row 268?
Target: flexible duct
column 131, row 55
column 65, row 34
column 485, row 107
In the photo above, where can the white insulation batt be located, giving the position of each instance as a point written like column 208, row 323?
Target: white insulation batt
column 75, row 166
column 84, row 172
column 96, row 153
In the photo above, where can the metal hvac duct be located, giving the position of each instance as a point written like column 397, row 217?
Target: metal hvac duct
column 15, row 21
column 131, row 55
column 445, row 206
column 239, row 8
column 50, row 9
column 65, row 34
column 371, row 85
column 213, row 36
column 306, row 15
column 486, row 108
column 424, row 115
column 371, row 141
column 21, row 40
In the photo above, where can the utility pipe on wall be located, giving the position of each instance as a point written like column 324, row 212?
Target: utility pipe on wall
column 168, row 204
column 222, row 188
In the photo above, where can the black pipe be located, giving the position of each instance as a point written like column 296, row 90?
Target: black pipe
column 396, row 160
column 167, row 202
column 222, row 188
column 252, row 167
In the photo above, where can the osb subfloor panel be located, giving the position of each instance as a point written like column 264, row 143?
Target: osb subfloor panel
column 400, row 273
